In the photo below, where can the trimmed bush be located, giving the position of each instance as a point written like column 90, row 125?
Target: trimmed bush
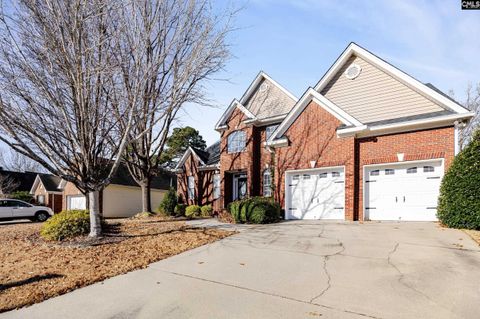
column 207, row 210
column 66, row 224
column 255, row 210
column 180, row 210
column 22, row 195
column 193, row 211
column 169, row 202
column 459, row 201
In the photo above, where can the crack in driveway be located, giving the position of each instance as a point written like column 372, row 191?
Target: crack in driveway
column 271, row 294
column 401, row 278
column 326, row 258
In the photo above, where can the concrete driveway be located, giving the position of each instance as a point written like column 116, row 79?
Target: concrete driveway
column 295, row 270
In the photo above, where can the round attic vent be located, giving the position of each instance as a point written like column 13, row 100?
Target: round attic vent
column 263, row 87
column 353, row 71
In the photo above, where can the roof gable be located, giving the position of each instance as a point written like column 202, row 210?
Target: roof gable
column 308, row 96
column 375, row 95
column 357, row 51
column 264, row 99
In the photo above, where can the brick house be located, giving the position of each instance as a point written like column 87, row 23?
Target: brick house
column 368, row 142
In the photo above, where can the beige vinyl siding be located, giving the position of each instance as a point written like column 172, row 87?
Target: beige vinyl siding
column 126, row 201
column 269, row 102
column 375, row 95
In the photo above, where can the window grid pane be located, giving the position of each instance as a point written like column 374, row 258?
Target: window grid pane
column 269, row 130
column 267, row 183
column 236, row 142
column 191, row 187
column 216, row 186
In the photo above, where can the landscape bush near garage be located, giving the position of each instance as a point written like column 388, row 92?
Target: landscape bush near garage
column 255, row 210
column 459, row 201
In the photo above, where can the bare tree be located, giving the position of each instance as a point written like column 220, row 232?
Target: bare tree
column 60, row 94
column 472, row 103
column 14, row 161
column 167, row 54
column 7, row 184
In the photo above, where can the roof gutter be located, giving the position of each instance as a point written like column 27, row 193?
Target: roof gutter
column 364, row 131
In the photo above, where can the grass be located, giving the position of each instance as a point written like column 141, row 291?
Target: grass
column 34, row 270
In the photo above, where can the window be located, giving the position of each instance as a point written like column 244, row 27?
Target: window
column 306, row 176
column 322, row 175
column 236, row 142
column 41, row 199
column 191, row 187
column 269, row 130
column 389, row 171
column 296, row 177
column 216, row 186
column 412, row 170
column 428, row 169
column 335, row 174
column 375, row 172
column 267, row 183
column 16, row 203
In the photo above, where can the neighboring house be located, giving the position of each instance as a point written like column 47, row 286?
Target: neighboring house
column 47, row 191
column 121, row 198
column 199, row 180
column 368, row 142
column 11, row 181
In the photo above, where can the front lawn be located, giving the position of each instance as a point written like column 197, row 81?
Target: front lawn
column 33, row 270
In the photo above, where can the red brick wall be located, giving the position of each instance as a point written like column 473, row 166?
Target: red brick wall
column 418, row 145
column 203, row 184
column 236, row 162
column 312, row 137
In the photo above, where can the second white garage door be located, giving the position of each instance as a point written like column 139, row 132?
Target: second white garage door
column 403, row 191
column 315, row 194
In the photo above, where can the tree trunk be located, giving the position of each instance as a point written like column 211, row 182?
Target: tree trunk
column 146, row 196
column 95, row 218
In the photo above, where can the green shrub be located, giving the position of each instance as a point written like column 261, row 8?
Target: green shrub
column 66, row 224
column 193, row 211
column 22, row 195
column 207, row 210
column 169, row 202
column 255, row 210
column 459, row 201
column 180, row 210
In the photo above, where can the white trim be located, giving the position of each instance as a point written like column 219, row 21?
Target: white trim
column 403, row 126
column 308, row 170
column 260, row 76
column 312, row 95
column 401, row 76
column 456, row 139
column 233, row 105
column 37, row 181
column 365, row 167
column 209, row 167
column 240, row 104
column 184, row 157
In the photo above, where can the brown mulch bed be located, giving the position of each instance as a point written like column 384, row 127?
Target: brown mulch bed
column 33, row 270
column 475, row 234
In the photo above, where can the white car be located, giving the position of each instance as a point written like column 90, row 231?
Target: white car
column 17, row 209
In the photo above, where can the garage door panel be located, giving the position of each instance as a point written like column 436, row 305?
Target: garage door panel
column 317, row 194
column 406, row 191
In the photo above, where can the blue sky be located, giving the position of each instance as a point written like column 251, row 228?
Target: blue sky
column 296, row 41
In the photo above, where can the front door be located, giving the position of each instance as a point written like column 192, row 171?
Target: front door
column 239, row 186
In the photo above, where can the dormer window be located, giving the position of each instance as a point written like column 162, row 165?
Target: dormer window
column 236, row 142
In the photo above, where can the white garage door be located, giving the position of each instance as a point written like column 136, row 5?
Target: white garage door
column 76, row 202
column 406, row 191
column 315, row 194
